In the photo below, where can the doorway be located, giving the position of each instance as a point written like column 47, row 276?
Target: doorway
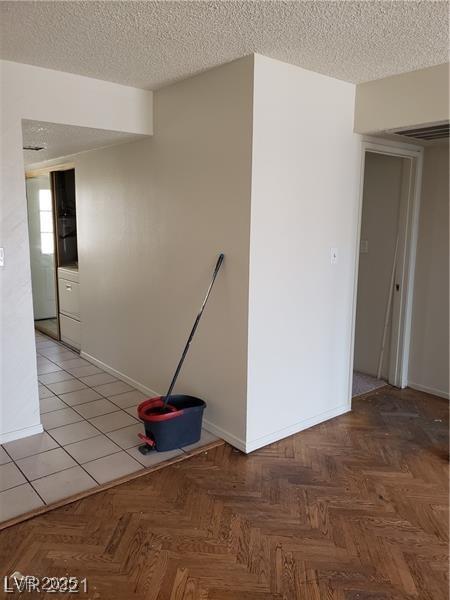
column 385, row 266
column 52, row 228
column 41, row 228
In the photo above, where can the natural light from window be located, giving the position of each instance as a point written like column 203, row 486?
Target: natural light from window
column 46, row 222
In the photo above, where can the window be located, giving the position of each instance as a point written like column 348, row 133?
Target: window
column 46, row 222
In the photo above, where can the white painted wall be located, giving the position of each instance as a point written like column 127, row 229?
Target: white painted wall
column 41, row 94
column 261, row 164
column 429, row 354
column 404, row 100
column 152, row 216
column 305, row 185
column 383, row 177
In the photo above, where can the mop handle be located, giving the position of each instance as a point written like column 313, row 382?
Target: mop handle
column 191, row 335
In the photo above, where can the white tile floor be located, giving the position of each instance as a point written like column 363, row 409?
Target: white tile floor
column 90, row 435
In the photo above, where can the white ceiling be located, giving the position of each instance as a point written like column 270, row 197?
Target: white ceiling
column 64, row 140
column 150, row 44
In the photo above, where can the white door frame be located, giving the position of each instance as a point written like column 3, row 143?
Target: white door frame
column 415, row 155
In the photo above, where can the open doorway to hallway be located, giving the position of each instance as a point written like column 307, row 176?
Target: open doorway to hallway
column 41, row 233
column 52, row 230
column 385, row 269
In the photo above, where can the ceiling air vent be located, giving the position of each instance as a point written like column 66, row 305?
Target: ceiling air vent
column 34, row 148
column 429, row 132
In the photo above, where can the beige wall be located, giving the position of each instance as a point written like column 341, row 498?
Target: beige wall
column 379, row 225
column 429, row 357
column 152, row 217
column 404, row 100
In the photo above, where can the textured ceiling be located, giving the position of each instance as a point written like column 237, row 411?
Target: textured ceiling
column 150, row 44
column 63, row 140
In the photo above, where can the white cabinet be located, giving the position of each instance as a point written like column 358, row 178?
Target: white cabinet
column 70, row 331
column 69, row 306
column 69, row 298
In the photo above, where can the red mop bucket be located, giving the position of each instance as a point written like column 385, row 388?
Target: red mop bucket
column 174, row 421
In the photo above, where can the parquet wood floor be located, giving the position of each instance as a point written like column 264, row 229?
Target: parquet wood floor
column 353, row 509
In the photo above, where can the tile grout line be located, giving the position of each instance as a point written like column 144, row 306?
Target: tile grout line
column 30, row 482
column 91, row 388
column 26, row 478
column 116, row 409
column 95, row 427
column 88, row 438
column 59, row 446
column 142, row 467
column 80, row 465
column 86, row 384
column 83, row 419
column 89, row 401
column 105, row 434
column 43, row 452
column 88, row 421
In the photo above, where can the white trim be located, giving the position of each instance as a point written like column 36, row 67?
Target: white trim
column 18, row 434
column 411, row 268
column 397, row 148
column 136, row 384
column 415, row 153
column 401, row 270
column 399, row 130
column 429, row 390
column 229, row 437
column 296, row 427
column 225, row 435
column 355, row 273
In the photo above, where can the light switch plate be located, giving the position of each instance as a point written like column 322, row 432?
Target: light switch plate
column 2, row 257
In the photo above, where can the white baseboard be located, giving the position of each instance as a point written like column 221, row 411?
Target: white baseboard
column 234, row 441
column 218, row 431
column 225, row 435
column 136, row 384
column 278, row 435
column 18, row 434
column 428, row 390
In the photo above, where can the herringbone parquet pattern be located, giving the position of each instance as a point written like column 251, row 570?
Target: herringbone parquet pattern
column 355, row 508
